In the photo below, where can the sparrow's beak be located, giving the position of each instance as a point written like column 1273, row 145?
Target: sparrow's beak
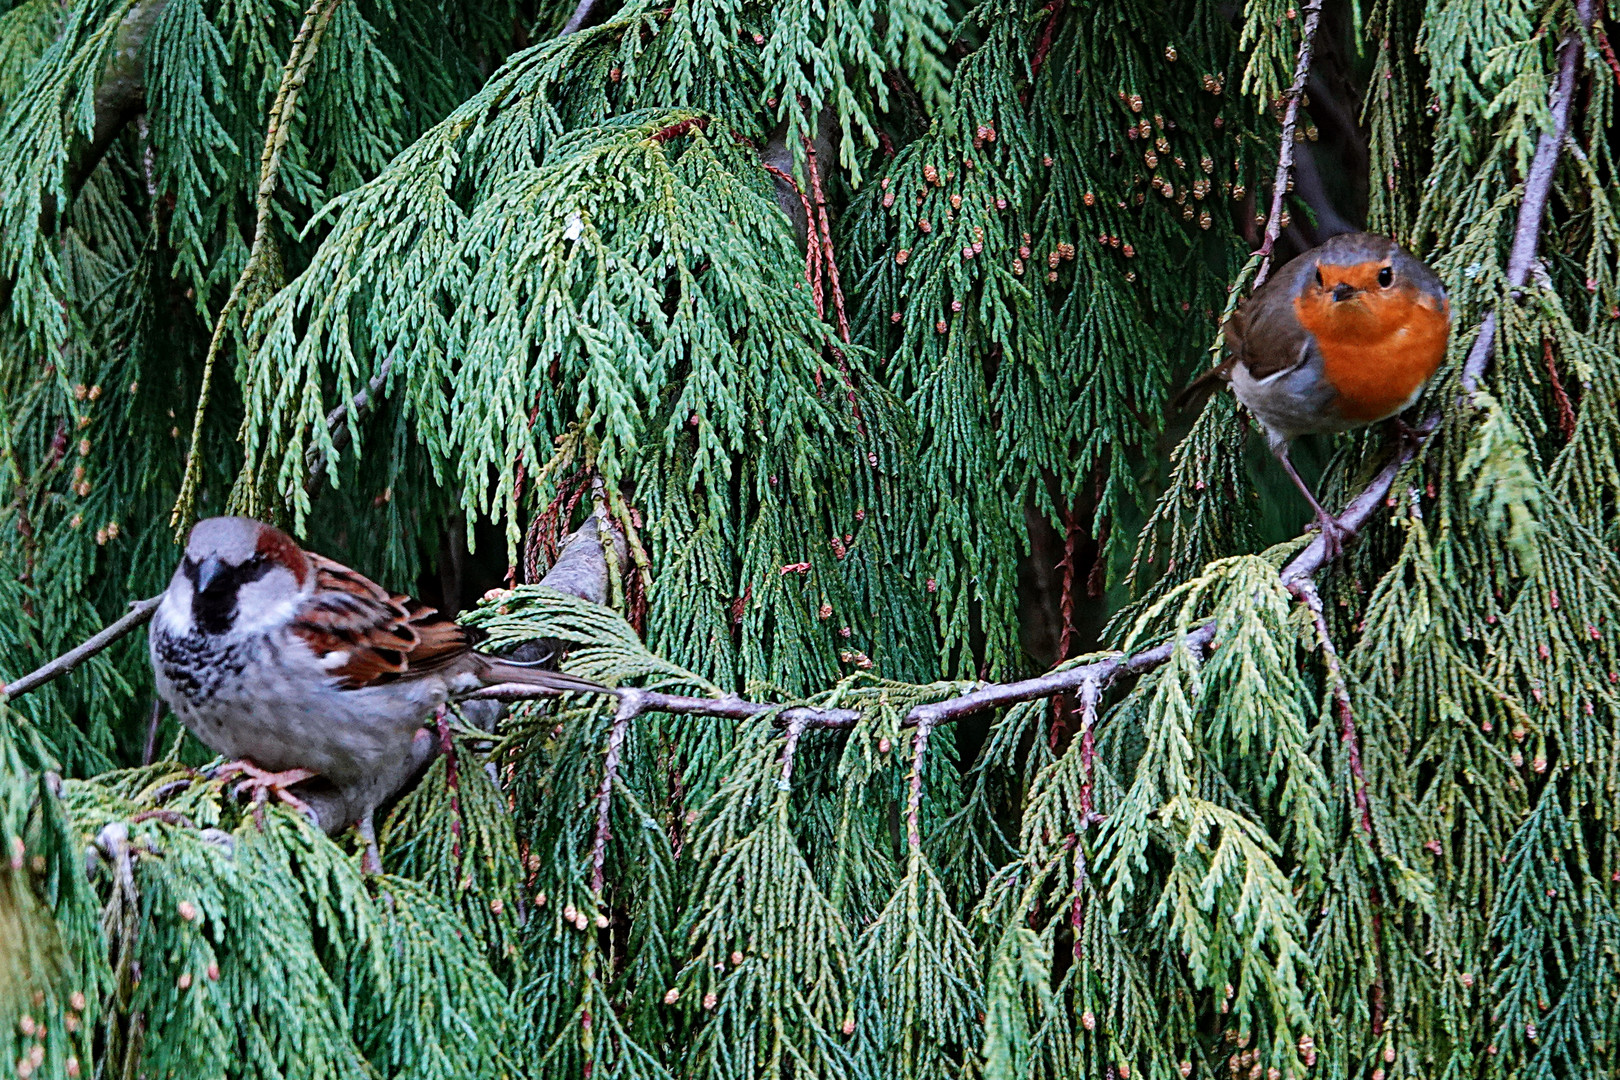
column 209, row 571
column 1344, row 291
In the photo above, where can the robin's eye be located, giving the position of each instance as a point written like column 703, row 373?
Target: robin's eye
column 1319, row 284
column 1385, row 277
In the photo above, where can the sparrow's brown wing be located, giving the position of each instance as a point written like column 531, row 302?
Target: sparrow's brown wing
column 367, row 636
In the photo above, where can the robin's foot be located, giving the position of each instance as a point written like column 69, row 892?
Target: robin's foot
column 1407, row 436
column 1333, row 535
column 261, row 785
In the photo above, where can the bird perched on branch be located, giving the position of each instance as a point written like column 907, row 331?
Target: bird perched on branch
column 1343, row 336
column 301, row 668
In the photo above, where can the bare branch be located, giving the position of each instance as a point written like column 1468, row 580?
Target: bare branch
column 577, row 20
column 338, row 430
column 1285, row 152
column 140, row 612
column 1537, row 190
column 728, row 708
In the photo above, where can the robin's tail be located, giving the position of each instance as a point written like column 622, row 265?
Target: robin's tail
column 1200, row 388
column 509, row 671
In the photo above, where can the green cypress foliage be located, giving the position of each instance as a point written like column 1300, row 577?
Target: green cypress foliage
column 860, row 322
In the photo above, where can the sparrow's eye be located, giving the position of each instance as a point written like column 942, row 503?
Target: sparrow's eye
column 1385, row 277
column 1319, row 283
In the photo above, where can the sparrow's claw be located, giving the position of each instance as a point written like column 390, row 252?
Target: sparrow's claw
column 262, row 784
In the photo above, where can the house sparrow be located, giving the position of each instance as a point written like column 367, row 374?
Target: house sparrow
column 299, row 667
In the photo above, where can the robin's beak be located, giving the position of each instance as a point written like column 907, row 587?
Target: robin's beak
column 1344, row 291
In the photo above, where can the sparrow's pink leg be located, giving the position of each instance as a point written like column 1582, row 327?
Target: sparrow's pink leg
column 263, row 784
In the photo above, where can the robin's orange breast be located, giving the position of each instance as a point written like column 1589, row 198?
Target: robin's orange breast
column 1378, row 349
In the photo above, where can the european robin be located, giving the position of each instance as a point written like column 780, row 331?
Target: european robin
column 1343, row 336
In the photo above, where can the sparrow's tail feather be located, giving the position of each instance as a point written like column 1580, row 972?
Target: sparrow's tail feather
column 507, row 671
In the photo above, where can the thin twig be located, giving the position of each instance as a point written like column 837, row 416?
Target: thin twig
column 139, row 612
column 812, row 245
column 729, row 708
column 452, row 781
column 1608, row 51
column 1285, row 152
column 1089, row 693
column 339, row 431
column 1305, row 590
column 630, row 707
column 992, row 695
column 1043, row 45
column 790, row 746
column 149, row 751
column 676, row 130
column 1537, row 191
column 1566, row 408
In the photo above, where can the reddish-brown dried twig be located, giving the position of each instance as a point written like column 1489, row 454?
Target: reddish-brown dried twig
column 1607, row 50
column 675, row 131
column 1043, row 45
column 1566, row 409
column 812, row 244
column 822, row 222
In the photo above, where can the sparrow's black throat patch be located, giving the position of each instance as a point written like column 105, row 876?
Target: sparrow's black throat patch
column 213, row 608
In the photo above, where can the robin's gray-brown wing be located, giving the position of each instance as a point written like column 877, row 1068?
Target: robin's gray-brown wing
column 1263, row 334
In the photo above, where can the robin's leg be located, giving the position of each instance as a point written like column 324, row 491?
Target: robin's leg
column 262, row 784
column 1332, row 532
